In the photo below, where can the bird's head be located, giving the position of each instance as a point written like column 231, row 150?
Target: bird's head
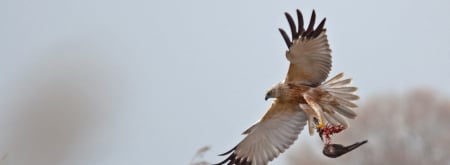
column 274, row 92
column 269, row 95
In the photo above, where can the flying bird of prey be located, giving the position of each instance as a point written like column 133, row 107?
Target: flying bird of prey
column 301, row 98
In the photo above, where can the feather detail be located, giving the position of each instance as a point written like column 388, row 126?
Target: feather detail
column 339, row 97
column 269, row 137
column 333, row 100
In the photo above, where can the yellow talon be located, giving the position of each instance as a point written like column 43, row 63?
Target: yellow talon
column 320, row 125
column 317, row 110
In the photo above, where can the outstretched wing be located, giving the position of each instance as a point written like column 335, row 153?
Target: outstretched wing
column 272, row 135
column 309, row 53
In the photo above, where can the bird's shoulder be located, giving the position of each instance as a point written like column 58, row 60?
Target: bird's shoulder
column 279, row 107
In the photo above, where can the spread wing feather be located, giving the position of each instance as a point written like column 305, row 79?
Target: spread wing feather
column 309, row 53
column 268, row 138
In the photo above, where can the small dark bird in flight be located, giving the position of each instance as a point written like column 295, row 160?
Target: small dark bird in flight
column 336, row 150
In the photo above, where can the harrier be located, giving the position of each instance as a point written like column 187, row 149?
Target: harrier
column 302, row 97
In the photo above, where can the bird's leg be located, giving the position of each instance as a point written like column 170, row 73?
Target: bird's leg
column 317, row 109
column 312, row 117
column 320, row 125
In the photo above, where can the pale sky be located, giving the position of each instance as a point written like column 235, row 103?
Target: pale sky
column 156, row 80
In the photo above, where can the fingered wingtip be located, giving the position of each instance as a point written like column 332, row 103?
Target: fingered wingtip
column 285, row 37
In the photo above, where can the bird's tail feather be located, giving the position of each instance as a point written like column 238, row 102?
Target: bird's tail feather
column 339, row 97
column 335, row 103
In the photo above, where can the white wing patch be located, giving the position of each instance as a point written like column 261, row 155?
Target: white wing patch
column 267, row 139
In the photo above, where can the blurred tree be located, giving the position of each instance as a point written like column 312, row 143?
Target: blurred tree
column 54, row 104
column 409, row 129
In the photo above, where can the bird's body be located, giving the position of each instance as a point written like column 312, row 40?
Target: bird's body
column 301, row 98
column 288, row 92
column 330, row 97
column 336, row 150
column 289, row 105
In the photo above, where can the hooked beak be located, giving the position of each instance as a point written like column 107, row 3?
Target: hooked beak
column 268, row 96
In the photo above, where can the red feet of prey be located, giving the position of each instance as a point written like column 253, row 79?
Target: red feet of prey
column 328, row 130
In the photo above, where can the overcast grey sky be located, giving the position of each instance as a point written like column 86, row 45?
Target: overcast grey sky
column 164, row 78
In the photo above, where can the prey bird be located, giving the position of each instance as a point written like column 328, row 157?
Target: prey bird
column 336, row 150
column 301, row 98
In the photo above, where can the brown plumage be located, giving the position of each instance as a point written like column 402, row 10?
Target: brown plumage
column 299, row 99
